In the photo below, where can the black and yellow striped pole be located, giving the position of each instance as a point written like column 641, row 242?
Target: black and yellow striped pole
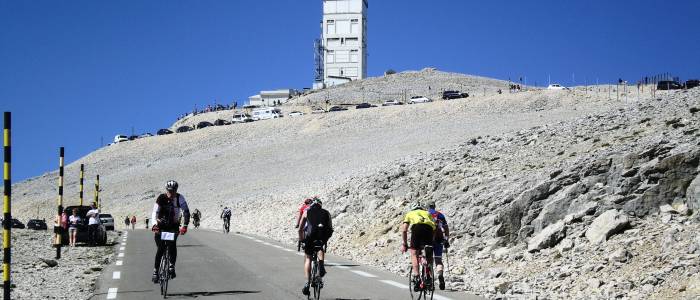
column 82, row 177
column 7, row 214
column 97, row 192
column 57, row 229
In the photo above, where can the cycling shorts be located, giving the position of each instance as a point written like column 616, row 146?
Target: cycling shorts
column 421, row 235
column 316, row 246
column 437, row 249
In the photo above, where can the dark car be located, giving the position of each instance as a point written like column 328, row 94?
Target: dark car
column 204, row 124
column 692, row 83
column 447, row 95
column 221, row 122
column 17, row 224
column 464, row 95
column 364, row 105
column 337, row 108
column 37, row 224
column 164, row 132
column 82, row 235
column 183, row 129
column 133, row 137
column 668, row 85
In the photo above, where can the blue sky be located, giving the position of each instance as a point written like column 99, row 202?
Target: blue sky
column 74, row 71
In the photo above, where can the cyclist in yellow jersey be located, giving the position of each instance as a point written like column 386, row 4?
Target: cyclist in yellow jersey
column 422, row 234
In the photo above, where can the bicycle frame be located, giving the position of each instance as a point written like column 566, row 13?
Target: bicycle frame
column 426, row 278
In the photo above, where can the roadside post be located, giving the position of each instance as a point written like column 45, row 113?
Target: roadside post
column 82, row 178
column 97, row 192
column 7, row 213
column 57, row 228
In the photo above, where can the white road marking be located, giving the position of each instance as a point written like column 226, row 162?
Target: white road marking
column 122, row 249
column 289, row 250
column 119, row 263
column 259, row 241
column 438, row 297
column 112, row 293
column 124, row 244
column 116, row 275
column 121, row 254
column 396, row 284
column 365, row 274
column 298, row 253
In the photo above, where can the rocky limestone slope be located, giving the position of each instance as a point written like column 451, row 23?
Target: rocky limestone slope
column 598, row 207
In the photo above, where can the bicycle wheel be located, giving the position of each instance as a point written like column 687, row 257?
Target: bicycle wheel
column 428, row 281
column 410, row 282
column 163, row 274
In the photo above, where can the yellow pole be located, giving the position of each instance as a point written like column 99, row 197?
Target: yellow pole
column 82, row 176
column 7, row 213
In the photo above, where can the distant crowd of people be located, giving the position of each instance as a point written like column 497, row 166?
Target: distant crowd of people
column 208, row 108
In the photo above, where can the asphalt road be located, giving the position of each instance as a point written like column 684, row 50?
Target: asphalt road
column 212, row 265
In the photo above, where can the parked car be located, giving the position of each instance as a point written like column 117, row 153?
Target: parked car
column 17, row 224
column 364, row 105
column 107, row 221
column 266, row 113
column 82, row 236
column 296, row 113
column 668, row 85
column 689, row 84
column 220, row 122
column 449, row 95
column 317, row 110
column 37, row 224
column 337, row 108
column 183, row 129
column 133, row 137
column 204, row 124
column 556, row 87
column 120, row 138
column 419, row 99
column 464, row 95
column 164, row 132
column 241, row 118
column 147, row 134
column 392, row 102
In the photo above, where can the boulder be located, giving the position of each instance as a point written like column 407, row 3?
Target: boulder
column 692, row 194
column 548, row 237
column 606, row 225
column 620, row 255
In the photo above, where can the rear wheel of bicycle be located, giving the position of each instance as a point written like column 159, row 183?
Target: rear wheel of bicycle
column 318, row 285
column 428, row 282
column 163, row 274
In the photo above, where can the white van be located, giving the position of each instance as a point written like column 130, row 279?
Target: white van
column 241, row 118
column 266, row 113
column 120, row 138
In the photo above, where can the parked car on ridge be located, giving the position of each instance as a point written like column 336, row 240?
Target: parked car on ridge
column 668, row 85
column 164, row 132
column 17, row 224
column 120, row 138
column 220, row 122
column 364, row 105
column 392, row 102
column 449, row 95
column 689, row 84
column 337, row 108
column 204, row 124
column 241, row 118
column 296, row 114
column 419, row 99
column 183, row 129
column 556, row 87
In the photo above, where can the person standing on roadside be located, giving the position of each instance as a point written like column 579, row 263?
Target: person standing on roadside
column 133, row 222
column 147, row 222
column 73, row 222
column 93, row 223
column 127, row 222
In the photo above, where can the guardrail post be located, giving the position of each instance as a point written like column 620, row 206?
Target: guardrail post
column 57, row 228
column 82, row 178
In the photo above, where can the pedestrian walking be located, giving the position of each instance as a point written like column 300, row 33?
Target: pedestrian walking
column 93, row 223
column 133, row 222
column 147, row 223
column 127, row 222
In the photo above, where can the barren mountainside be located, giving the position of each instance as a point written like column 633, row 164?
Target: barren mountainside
column 559, row 194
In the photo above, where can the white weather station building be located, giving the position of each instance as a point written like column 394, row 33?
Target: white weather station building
column 341, row 52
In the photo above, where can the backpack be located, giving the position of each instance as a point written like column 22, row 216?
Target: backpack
column 317, row 225
column 439, row 234
column 227, row 214
column 166, row 211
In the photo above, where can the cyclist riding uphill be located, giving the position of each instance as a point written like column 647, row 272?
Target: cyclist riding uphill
column 315, row 230
column 302, row 208
column 226, row 216
column 442, row 237
column 422, row 234
column 166, row 215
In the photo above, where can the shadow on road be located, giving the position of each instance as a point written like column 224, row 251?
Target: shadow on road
column 187, row 246
column 120, row 293
column 207, row 294
column 341, row 265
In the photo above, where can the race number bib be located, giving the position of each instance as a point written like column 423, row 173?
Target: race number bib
column 167, row 236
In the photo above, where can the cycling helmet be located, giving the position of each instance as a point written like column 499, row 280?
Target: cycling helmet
column 171, row 185
column 416, row 205
column 431, row 204
column 317, row 200
column 308, row 201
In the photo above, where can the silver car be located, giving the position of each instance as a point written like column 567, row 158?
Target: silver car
column 108, row 221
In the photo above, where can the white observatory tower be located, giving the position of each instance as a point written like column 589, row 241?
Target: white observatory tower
column 343, row 44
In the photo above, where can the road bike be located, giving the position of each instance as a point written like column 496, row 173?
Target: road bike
column 315, row 280
column 426, row 285
column 227, row 225
column 167, row 239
